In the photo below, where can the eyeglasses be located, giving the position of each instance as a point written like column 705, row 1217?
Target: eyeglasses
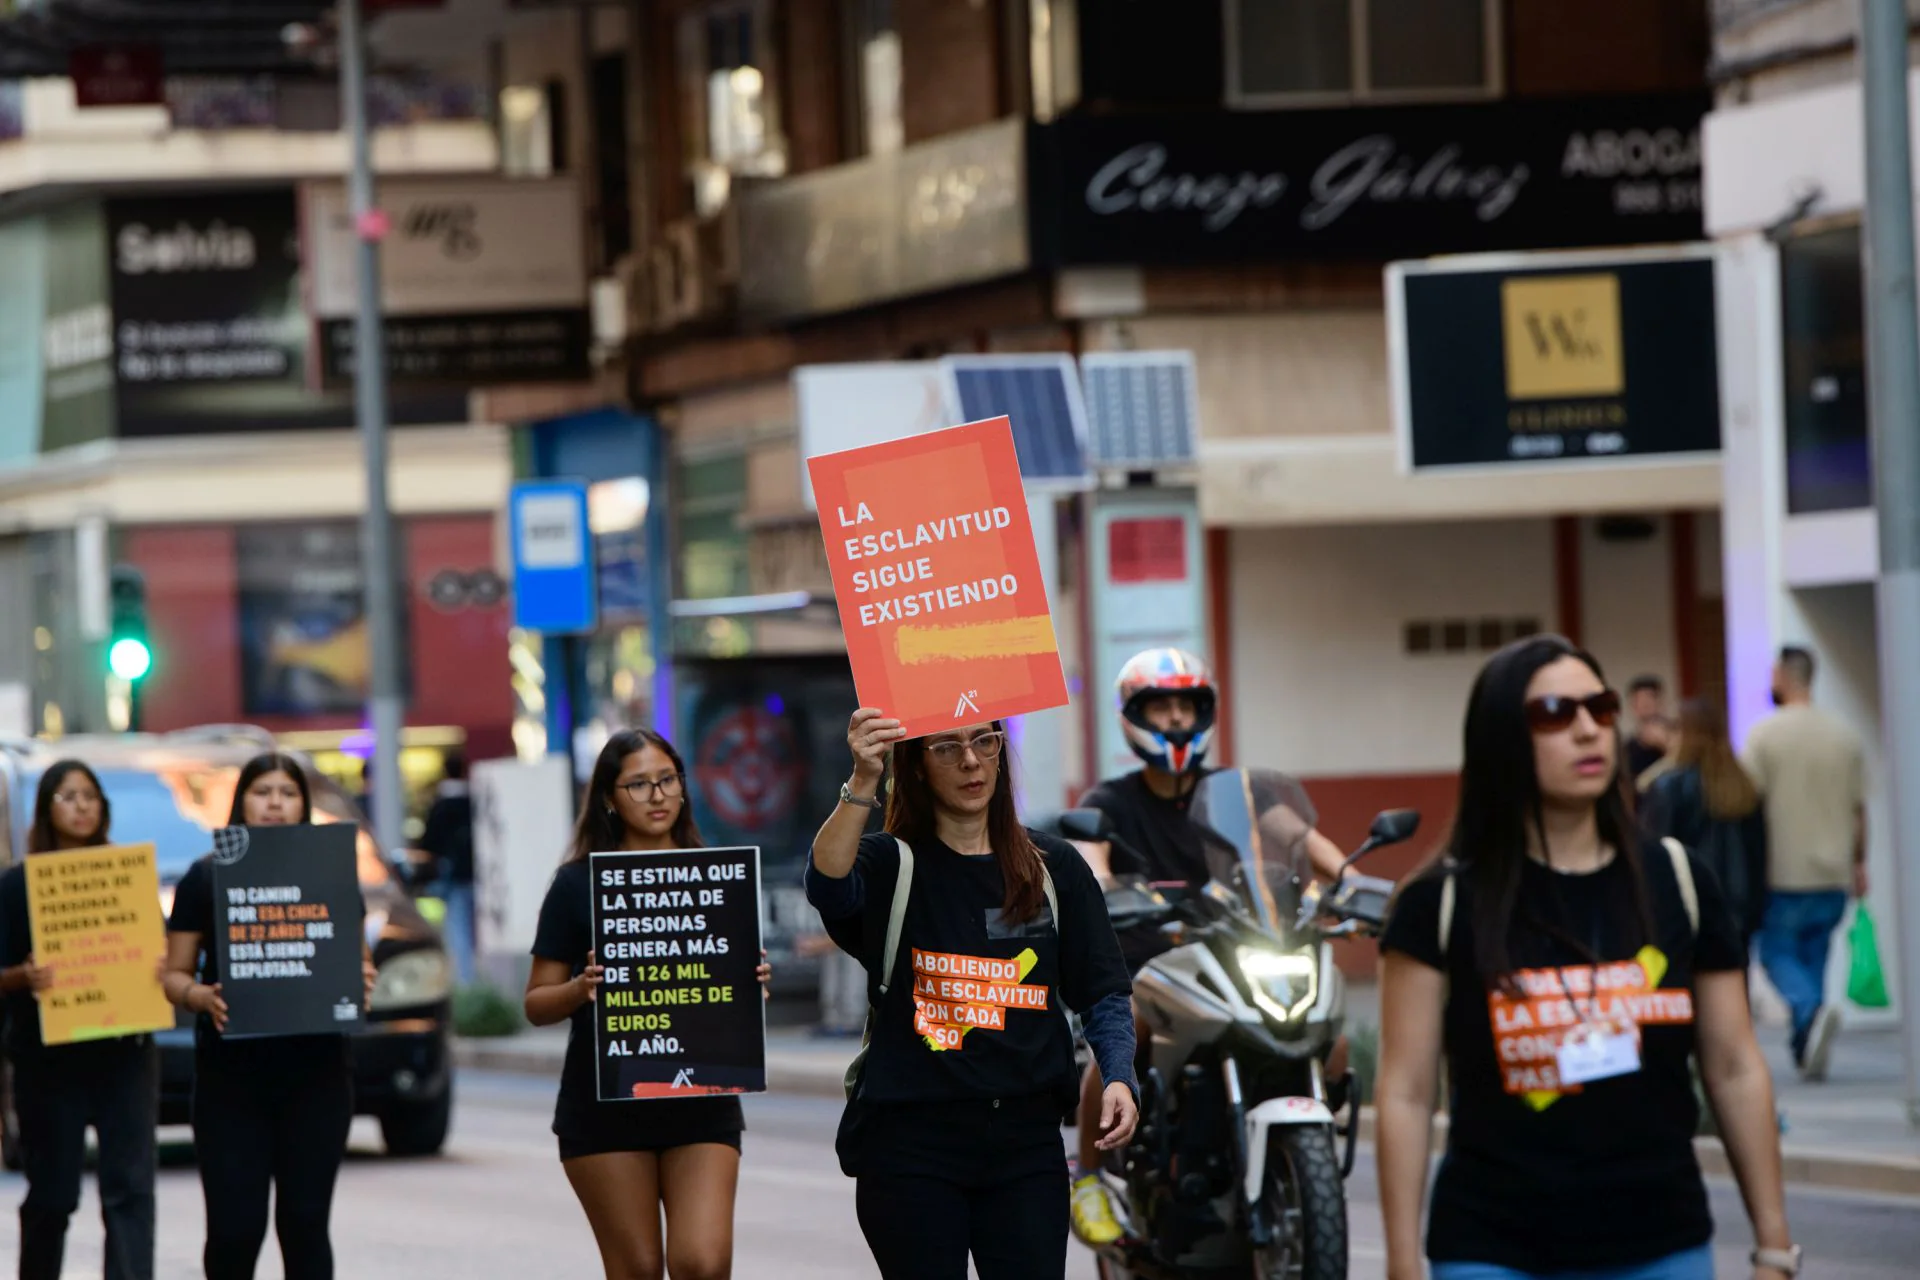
column 1554, row 713
column 641, row 789
column 77, row 797
column 950, row 751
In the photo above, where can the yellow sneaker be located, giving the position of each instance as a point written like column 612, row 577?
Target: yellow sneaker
column 1093, row 1219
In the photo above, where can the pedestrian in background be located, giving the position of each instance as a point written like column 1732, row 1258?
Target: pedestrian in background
column 59, row 1091
column 1551, row 919
column 1652, row 731
column 1811, row 771
column 1708, row 803
column 954, row 1128
column 270, row 1114
column 628, row 1161
column 448, row 840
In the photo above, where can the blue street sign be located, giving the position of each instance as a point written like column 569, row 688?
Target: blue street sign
column 553, row 587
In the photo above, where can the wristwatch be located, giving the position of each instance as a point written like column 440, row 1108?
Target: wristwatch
column 847, row 797
column 1785, row 1260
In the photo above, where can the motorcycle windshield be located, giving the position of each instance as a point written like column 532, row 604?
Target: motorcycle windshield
column 1259, row 820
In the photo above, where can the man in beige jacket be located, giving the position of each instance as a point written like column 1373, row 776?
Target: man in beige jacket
column 1811, row 772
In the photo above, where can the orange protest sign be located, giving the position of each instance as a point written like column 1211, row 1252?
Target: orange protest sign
column 938, row 579
column 95, row 918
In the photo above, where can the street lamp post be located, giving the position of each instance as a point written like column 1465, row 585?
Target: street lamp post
column 1893, row 380
column 370, row 398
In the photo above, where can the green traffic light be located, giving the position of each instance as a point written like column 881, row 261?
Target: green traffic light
column 130, row 659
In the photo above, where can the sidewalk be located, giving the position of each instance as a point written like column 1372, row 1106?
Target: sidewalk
column 1847, row 1134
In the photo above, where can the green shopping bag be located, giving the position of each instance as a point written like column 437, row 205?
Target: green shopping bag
column 1866, row 983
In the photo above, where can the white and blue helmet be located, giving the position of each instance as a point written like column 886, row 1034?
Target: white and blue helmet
column 1167, row 673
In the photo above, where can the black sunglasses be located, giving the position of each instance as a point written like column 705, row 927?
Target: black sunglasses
column 1553, row 713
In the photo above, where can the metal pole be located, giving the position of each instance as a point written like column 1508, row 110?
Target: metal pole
column 370, row 398
column 1893, row 379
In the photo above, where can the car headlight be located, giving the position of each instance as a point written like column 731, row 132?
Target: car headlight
column 412, row 978
column 1285, row 983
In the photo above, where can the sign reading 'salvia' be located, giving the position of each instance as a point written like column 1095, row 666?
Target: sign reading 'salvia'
column 140, row 249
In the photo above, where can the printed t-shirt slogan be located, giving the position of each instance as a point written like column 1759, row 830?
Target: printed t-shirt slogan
column 288, row 919
column 938, row 579
column 680, row 1012
column 1530, row 1028
column 95, row 917
column 953, row 994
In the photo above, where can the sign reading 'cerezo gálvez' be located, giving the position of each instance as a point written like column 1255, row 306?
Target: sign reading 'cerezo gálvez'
column 680, row 1012
column 1535, row 358
column 1384, row 182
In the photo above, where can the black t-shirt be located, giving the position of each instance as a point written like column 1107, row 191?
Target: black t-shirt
column 16, row 942
column 974, row 1009
column 565, row 935
column 1598, row 1175
column 1641, row 757
column 1162, row 841
column 194, row 912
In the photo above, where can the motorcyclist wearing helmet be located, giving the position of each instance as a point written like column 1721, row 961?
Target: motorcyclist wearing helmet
column 1168, row 710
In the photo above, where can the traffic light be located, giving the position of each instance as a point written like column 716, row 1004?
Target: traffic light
column 129, row 654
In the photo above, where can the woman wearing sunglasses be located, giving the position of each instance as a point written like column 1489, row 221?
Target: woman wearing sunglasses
column 954, row 1130
column 1567, row 971
column 630, row 1161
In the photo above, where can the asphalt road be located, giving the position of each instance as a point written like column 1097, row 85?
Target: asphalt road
column 496, row 1205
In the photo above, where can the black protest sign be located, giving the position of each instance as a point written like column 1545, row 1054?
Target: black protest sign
column 287, row 923
column 680, row 1012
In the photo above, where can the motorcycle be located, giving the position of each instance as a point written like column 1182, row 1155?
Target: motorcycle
column 1237, row 1166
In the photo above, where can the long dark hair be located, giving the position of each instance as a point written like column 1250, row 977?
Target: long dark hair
column 600, row 829
column 910, row 815
column 1500, row 805
column 259, row 767
column 1730, row 793
column 43, row 838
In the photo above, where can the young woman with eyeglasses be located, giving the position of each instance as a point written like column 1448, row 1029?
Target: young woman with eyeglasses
column 970, row 1067
column 630, row 1161
column 271, row 1115
column 60, row 1090
column 1566, row 970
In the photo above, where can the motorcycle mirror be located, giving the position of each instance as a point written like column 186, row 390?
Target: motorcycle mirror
column 1393, row 826
column 1089, row 825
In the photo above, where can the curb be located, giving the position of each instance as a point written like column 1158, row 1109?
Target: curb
column 1811, row 1167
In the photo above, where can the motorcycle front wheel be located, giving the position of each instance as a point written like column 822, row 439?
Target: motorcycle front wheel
column 1306, row 1201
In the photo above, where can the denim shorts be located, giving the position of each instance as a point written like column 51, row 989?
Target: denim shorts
column 1694, row 1264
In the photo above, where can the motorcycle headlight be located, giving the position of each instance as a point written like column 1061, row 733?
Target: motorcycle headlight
column 412, row 978
column 1285, row 983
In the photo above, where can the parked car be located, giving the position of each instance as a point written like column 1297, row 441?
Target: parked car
column 172, row 790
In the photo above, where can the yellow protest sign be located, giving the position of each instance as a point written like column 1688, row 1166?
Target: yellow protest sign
column 96, row 923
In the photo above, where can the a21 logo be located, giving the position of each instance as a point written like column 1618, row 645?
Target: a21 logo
column 969, row 702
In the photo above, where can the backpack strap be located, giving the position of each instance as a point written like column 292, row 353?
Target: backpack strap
column 1447, row 897
column 1683, row 873
column 897, row 912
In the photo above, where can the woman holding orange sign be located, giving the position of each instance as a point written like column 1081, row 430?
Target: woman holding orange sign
column 59, row 1090
column 977, row 936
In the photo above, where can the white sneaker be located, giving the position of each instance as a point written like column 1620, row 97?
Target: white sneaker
column 1826, row 1024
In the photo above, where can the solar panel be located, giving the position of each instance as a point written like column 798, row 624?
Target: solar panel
column 1040, row 396
column 1141, row 408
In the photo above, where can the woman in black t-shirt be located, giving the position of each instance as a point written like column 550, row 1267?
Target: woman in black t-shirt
column 628, row 1160
column 269, row 1114
column 1568, row 971
column 970, row 1067
column 59, row 1090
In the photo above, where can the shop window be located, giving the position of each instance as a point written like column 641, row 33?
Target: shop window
column 711, row 496
column 533, row 130
column 730, row 93
column 873, row 44
column 1309, row 52
column 1824, row 363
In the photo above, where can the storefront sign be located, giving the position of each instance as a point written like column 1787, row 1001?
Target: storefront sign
column 483, row 280
column 95, row 916
column 288, row 916
column 111, row 76
column 938, row 578
column 553, row 587
column 679, row 1013
column 1249, row 186
column 1549, row 358
column 303, row 619
column 1151, row 570
column 522, row 820
column 208, row 325
column 939, row 214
